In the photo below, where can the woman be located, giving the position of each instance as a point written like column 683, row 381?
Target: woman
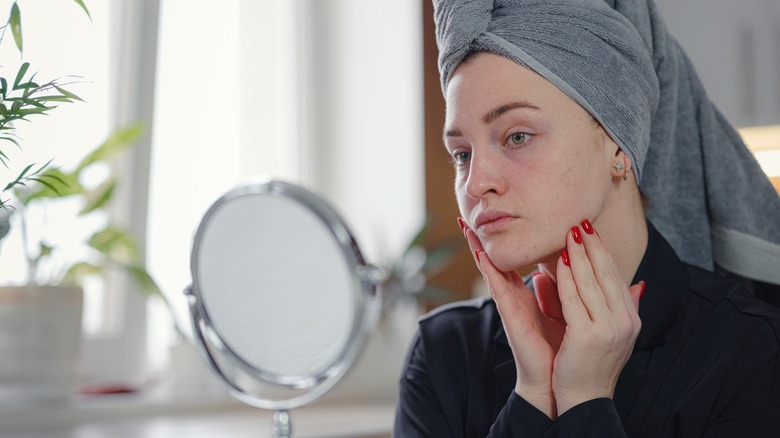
column 558, row 113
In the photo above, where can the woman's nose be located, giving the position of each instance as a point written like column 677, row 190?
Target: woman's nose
column 484, row 176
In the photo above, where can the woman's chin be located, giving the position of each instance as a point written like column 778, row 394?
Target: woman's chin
column 507, row 262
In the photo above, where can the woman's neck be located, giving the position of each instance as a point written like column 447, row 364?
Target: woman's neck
column 623, row 229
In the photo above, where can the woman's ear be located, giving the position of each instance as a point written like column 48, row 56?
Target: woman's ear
column 621, row 165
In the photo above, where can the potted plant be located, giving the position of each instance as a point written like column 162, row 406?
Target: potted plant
column 408, row 276
column 40, row 318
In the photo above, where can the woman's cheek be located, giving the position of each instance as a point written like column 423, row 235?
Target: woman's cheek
column 507, row 255
column 465, row 204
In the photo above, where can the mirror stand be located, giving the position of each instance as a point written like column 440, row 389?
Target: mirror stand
column 281, row 427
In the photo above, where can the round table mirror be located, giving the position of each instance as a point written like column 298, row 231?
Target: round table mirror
column 281, row 299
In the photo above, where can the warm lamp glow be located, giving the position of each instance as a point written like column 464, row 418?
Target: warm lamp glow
column 764, row 142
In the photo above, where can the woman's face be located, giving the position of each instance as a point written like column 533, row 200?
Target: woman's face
column 530, row 163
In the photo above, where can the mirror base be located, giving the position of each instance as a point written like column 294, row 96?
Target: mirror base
column 282, row 427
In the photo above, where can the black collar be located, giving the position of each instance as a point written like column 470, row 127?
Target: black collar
column 665, row 292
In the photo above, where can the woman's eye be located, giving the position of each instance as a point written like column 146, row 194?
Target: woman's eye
column 461, row 157
column 518, row 138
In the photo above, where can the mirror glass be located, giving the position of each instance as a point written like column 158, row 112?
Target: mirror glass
column 281, row 300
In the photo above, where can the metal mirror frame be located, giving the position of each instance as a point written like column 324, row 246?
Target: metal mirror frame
column 366, row 281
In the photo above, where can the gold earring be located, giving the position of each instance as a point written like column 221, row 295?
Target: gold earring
column 621, row 167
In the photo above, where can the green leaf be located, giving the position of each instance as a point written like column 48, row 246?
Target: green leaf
column 53, row 174
column 113, row 146
column 116, row 244
column 97, row 198
column 28, row 111
column 16, row 26
column 435, row 293
column 84, row 7
column 67, row 93
column 439, row 257
column 417, row 240
column 20, row 74
column 44, row 251
column 11, row 139
column 3, row 87
column 60, row 185
column 51, row 99
column 20, row 178
column 45, row 183
column 78, row 271
column 144, row 280
column 29, row 87
column 30, row 101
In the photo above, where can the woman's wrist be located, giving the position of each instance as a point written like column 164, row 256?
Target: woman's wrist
column 540, row 398
column 564, row 402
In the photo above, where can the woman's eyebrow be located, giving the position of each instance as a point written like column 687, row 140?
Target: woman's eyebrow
column 493, row 114
column 452, row 133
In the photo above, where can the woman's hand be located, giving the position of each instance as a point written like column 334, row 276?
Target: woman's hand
column 533, row 336
column 570, row 341
column 601, row 317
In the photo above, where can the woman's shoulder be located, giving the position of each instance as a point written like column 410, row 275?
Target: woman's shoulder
column 461, row 322
column 732, row 302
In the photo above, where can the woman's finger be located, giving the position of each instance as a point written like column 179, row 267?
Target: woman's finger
column 589, row 288
column 637, row 291
column 507, row 289
column 603, row 267
column 474, row 246
column 572, row 307
column 472, row 240
column 547, row 296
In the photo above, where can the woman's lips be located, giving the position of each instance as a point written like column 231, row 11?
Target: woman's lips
column 492, row 222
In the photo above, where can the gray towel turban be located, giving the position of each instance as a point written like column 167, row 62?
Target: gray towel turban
column 708, row 196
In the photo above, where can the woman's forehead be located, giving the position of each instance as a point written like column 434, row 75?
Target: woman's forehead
column 488, row 85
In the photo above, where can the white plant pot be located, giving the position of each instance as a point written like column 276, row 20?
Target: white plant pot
column 189, row 373
column 40, row 335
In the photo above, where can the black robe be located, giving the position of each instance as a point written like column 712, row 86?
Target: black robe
column 706, row 364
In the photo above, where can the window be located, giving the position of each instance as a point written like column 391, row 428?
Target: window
column 230, row 90
column 292, row 90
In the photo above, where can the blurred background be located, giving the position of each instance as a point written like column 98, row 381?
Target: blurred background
column 339, row 96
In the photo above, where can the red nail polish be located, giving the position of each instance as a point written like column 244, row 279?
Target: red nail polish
column 476, row 254
column 565, row 256
column 462, row 224
column 642, row 290
column 575, row 233
column 586, row 225
column 537, row 273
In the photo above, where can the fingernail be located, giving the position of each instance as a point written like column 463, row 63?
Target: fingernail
column 476, row 254
column 565, row 256
column 586, row 225
column 642, row 290
column 537, row 273
column 462, row 224
column 575, row 233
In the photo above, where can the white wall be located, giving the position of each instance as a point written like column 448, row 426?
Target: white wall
column 735, row 47
column 363, row 148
